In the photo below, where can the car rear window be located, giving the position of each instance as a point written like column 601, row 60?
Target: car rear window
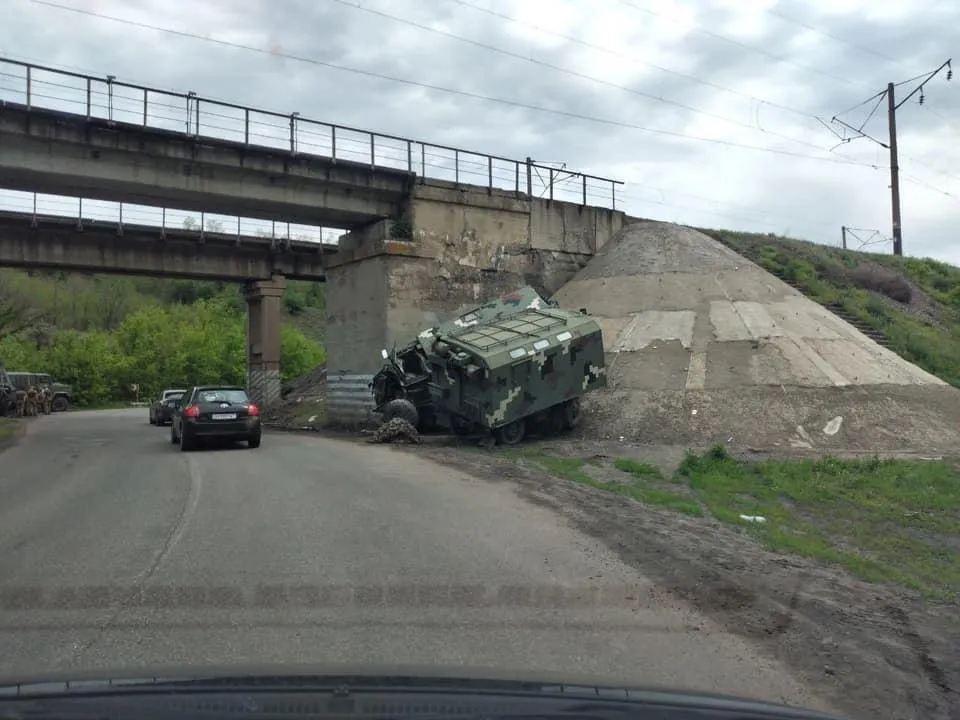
column 235, row 397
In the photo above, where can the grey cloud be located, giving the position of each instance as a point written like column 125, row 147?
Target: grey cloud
column 329, row 31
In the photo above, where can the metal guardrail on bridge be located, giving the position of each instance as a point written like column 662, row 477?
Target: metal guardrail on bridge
column 83, row 210
column 110, row 99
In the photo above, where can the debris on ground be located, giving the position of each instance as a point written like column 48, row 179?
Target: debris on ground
column 396, row 429
column 310, row 385
column 302, row 405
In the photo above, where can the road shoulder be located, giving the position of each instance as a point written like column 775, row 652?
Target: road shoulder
column 11, row 431
column 876, row 650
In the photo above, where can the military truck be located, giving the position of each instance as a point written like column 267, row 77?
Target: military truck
column 7, row 402
column 62, row 393
column 506, row 368
column 406, row 370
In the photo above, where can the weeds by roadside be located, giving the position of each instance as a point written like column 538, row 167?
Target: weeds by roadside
column 882, row 520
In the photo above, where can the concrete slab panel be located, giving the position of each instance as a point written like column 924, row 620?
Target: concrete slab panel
column 612, row 329
column 727, row 324
column 654, row 327
column 660, row 368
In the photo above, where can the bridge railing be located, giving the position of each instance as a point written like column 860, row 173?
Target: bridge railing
column 102, row 212
column 110, row 99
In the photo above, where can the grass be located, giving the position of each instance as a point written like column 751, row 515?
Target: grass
column 882, row 520
column 633, row 479
column 913, row 302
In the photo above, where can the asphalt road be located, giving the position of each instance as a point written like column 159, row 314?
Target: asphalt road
column 119, row 551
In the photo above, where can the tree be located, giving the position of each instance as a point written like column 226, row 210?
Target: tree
column 16, row 311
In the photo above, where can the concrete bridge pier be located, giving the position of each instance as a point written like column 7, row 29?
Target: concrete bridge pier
column 264, row 308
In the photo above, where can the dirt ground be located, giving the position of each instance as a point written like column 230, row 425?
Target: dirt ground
column 875, row 650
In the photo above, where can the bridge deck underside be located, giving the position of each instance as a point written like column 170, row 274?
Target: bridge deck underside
column 60, row 243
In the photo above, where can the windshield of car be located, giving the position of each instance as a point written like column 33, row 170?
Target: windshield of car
column 233, row 396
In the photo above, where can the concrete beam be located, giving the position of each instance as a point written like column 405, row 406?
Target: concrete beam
column 58, row 243
column 68, row 154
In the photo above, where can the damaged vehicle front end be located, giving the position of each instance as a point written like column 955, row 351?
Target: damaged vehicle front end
column 515, row 365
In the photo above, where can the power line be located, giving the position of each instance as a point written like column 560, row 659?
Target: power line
column 891, row 144
column 745, row 46
column 462, row 93
column 823, row 33
column 624, row 56
column 574, row 73
column 722, row 88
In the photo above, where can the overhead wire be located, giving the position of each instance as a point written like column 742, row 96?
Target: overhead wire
column 574, row 73
column 625, row 56
column 610, row 122
column 745, row 46
column 588, row 118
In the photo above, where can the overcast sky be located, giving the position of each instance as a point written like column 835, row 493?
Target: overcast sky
column 674, row 98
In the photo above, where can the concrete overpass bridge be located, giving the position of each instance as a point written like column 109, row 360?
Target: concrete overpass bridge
column 428, row 228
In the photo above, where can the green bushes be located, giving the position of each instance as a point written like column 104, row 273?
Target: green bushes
column 156, row 346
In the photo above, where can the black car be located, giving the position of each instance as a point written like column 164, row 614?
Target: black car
column 215, row 411
column 161, row 409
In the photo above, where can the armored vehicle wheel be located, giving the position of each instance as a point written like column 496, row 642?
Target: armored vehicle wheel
column 571, row 413
column 60, row 404
column 512, row 433
column 401, row 408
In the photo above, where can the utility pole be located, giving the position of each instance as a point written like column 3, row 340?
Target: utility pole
column 843, row 236
column 894, row 171
column 891, row 144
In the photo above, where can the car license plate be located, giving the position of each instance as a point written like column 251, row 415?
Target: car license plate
column 224, row 416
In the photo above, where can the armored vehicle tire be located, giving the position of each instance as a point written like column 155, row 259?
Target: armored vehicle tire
column 571, row 413
column 461, row 427
column 511, row 433
column 60, row 404
column 401, row 408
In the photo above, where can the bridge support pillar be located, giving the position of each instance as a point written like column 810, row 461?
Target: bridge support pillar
column 264, row 306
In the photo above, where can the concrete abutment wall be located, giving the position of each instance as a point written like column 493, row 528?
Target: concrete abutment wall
column 468, row 245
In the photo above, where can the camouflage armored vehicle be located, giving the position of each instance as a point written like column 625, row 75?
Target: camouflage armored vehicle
column 406, row 370
column 7, row 403
column 62, row 393
column 505, row 370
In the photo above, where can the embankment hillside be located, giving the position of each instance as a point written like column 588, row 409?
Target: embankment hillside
column 705, row 346
column 909, row 305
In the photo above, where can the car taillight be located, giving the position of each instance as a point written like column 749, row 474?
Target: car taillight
column 191, row 411
column 253, row 410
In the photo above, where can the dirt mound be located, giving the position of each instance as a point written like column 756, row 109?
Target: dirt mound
column 312, row 384
column 704, row 346
column 302, row 403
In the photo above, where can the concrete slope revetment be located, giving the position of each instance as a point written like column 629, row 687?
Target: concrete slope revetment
column 704, row 346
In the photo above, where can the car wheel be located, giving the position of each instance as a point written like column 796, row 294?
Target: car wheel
column 253, row 441
column 60, row 404
column 173, row 435
column 153, row 420
column 186, row 444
